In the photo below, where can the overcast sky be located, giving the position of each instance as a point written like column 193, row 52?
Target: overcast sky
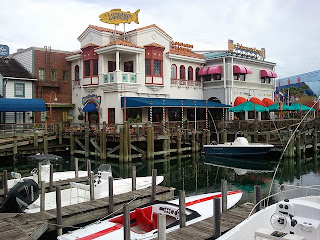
column 287, row 29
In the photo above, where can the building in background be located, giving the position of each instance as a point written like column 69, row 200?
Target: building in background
column 16, row 90
column 53, row 72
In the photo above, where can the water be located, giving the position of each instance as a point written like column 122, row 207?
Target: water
column 198, row 174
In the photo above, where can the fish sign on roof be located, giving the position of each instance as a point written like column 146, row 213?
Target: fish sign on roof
column 4, row 50
column 116, row 16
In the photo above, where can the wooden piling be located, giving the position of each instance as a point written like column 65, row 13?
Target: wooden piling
column 162, row 227
column 60, row 133
column 204, row 138
column 193, row 141
column 45, row 143
column 111, row 206
column 179, row 150
column 35, row 139
column 76, row 167
column 126, row 222
column 298, row 144
column 86, row 140
column 121, row 150
column 314, row 140
column 182, row 208
column 39, row 172
column 42, row 196
column 150, row 142
column 256, row 136
column 134, row 178
column 5, row 183
column 257, row 197
column 216, row 218
column 154, row 184
column 224, row 193
column 72, row 140
column 224, row 136
column 103, row 141
column 91, row 186
column 59, row 211
column 51, row 178
column 15, row 147
column 125, row 142
column 208, row 137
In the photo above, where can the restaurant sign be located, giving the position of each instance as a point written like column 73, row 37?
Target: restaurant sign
column 91, row 98
column 4, row 51
column 246, row 51
column 181, row 47
column 116, row 16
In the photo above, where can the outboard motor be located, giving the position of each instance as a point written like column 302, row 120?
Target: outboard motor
column 20, row 196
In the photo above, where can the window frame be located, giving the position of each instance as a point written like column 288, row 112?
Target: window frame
column 53, row 75
column 77, row 73
column 111, row 66
column 182, row 69
column 95, row 67
column 23, row 90
column 190, row 73
column 65, row 75
column 157, row 68
column 87, row 68
column 43, row 75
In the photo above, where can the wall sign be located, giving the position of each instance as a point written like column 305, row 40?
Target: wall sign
column 181, row 47
column 4, row 50
column 91, row 98
column 116, row 16
column 246, row 51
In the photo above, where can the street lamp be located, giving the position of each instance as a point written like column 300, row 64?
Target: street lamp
column 55, row 99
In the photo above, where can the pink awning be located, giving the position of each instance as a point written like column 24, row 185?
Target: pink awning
column 268, row 73
column 203, row 71
column 214, row 70
column 239, row 69
column 249, row 70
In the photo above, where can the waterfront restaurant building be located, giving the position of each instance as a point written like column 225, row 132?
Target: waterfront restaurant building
column 143, row 75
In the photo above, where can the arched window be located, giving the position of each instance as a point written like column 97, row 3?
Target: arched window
column 198, row 78
column 76, row 73
column 182, row 72
column 173, row 71
column 190, row 73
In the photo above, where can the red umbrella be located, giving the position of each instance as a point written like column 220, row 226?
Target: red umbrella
column 239, row 100
column 267, row 102
column 256, row 101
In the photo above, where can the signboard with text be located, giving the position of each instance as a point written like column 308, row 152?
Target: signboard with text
column 246, row 51
column 4, row 51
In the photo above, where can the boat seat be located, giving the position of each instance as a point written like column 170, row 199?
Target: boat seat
column 143, row 222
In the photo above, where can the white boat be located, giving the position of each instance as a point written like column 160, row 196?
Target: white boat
column 144, row 219
column 45, row 172
column 239, row 148
column 290, row 219
column 79, row 192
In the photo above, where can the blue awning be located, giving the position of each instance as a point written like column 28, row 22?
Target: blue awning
column 90, row 107
column 135, row 102
column 22, row 105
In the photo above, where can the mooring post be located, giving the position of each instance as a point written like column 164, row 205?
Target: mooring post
column 42, row 196
column 150, row 141
column 134, row 178
column 5, row 183
column 59, row 212
column 15, row 147
column 182, row 208
column 315, row 139
column 72, row 140
column 193, row 141
column 267, row 137
column 162, row 227
column 121, row 150
column 88, row 170
column 129, row 143
column 298, row 144
column 35, row 139
column 39, row 172
column 76, row 167
column 164, row 143
column 208, row 137
column 126, row 221
column 256, row 136
column 257, row 197
column 111, row 207
column 103, row 141
column 224, row 136
column 51, row 178
column 45, row 143
column 154, row 184
column 86, row 140
column 216, row 217
column 91, row 186
column 125, row 142
column 179, row 150
column 204, row 138
column 60, row 132
column 224, row 193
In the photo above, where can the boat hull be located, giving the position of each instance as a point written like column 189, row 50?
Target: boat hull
column 238, row 151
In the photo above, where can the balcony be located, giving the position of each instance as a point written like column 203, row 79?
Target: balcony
column 185, row 83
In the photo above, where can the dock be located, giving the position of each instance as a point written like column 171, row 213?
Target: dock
column 204, row 230
column 33, row 225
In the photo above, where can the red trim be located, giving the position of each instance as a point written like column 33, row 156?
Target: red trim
column 188, row 204
column 102, row 232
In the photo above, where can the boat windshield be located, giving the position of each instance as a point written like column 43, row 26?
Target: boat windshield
column 104, row 168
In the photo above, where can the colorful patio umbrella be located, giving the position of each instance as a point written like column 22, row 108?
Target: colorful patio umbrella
column 247, row 107
column 256, row 101
column 275, row 107
column 300, row 107
column 239, row 100
column 267, row 102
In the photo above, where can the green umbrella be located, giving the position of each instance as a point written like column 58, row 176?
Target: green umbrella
column 299, row 107
column 275, row 107
column 247, row 107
